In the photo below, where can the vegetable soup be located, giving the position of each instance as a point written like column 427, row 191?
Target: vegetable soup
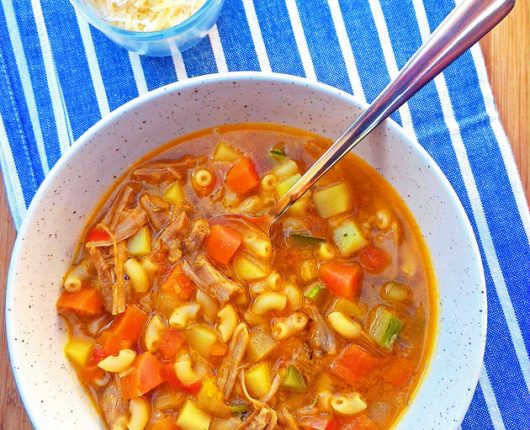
column 184, row 316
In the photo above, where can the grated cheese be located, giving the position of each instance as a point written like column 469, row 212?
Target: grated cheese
column 146, row 15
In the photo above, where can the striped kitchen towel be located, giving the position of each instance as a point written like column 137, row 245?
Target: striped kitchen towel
column 58, row 76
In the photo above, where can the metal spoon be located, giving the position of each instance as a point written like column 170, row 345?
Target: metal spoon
column 462, row 28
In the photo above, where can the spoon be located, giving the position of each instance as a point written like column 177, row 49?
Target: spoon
column 461, row 29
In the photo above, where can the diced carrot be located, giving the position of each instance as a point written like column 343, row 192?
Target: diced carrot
column 353, row 363
column 177, row 284
column 166, row 423
column 374, row 259
column 145, row 375
column 171, row 342
column 222, row 243
column 83, row 302
column 129, row 325
column 90, row 371
column 173, row 381
column 242, row 177
column 334, row 424
column 111, row 343
column 343, row 280
column 97, row 235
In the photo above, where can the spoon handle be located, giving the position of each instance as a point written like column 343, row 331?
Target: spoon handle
column 461, row 29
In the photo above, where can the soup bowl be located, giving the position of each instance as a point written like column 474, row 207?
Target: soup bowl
column 51, row 232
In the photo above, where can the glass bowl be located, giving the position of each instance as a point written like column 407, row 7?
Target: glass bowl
column 159, row 43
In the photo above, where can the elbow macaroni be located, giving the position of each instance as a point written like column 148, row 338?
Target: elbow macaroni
column 153, row 333
column 139, row 414
column 282, row 328
column 344, row 326
column 294, row 297
column 118, row 363
column 226, row 322
column 209, row 306
column 258, row 246
column 347, row 404
column 267, row 302
column 184, row 314
column 184, row 370
column 76, row 276
column 137, row 274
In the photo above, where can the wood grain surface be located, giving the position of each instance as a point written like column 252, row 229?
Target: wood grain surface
column 507, row 55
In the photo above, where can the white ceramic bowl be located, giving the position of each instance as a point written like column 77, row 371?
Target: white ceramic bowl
column 48, row 237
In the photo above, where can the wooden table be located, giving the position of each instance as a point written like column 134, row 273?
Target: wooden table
column 507, row 54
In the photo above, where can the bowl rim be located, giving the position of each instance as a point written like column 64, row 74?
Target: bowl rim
column 106, row 27
column 268, row 77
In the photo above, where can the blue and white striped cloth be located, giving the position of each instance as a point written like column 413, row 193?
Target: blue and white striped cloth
column 58, row 76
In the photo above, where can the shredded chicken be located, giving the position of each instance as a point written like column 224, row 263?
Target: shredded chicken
column 265, row 419
column 199, row 230
column 321, row 336
column 157, row 210
column 103, row 268
column 118, row 290
column 275, row 386
column 210, row 280
column 130, row 222
column 222, row 424
column 287, row 420
column 229, row 368
column 164, row 170
column 178, row 227
column 114, row 407
column 124, row 199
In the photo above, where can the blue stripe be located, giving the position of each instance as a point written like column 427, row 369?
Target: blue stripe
column 504, row 223
column 363, row 36
column 70, row 60
column 32, row 49
column 158, row 71
column 199, row 60
column 278, row 37
column 323, row 44
column 242, row 54
column 115, row 68
column 477, row 416
column 11, row 109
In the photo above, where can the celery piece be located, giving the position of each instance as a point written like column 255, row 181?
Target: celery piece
column 349, row 238
column 260, row 344
column 224, row 152
column 286, row 184
column 140, row 243
column 293, row 379
column 201, row 339
column 300, row 240
column 277, row 153
column 315, row 291
column 192, row 418
column 78, row 350
column 258, row 379
column 333, row 200
column 384, row 327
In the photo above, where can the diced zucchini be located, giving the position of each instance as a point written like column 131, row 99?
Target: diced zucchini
column 300, row 240
column 192, row 418
column 384, row 327
column 349, row 308
column 201, row 339
column 175, row 194
column 286, row 184
column 224, row 152
column 210, row 399
column 78, row 350
column 277, row 153
column 349, row 238
column 333, row 200
column 293, row 379
column 248, row 268
column 140, row 243
column 315, row 291
column 395, row 292
column 258, row 379
column 260, row 344
column 238, row 408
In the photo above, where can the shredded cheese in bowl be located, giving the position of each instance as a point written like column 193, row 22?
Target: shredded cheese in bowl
column 146, row 15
